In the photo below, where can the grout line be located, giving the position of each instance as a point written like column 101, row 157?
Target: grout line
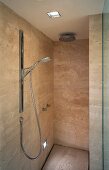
column 73, row 147
column 47, row 157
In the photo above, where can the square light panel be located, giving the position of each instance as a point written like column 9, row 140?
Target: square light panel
column 54, row 14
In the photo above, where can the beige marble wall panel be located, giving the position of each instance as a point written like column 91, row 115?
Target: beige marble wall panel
column 71, row 93
column 95, row 91
column 36, row 46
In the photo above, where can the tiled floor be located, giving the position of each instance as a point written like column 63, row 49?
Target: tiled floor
column 65, row 158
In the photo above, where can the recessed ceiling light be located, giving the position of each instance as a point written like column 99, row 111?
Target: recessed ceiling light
column 54, row 14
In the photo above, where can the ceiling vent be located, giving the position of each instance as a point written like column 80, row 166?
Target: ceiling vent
column 67, row 36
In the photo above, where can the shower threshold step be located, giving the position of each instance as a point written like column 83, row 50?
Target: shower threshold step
column 66, row 158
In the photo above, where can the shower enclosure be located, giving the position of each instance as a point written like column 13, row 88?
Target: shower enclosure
column 105, row 85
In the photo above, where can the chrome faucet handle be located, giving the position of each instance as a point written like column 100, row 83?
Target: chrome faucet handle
column 45, row 108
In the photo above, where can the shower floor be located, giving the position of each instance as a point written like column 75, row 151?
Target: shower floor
column 65, row 158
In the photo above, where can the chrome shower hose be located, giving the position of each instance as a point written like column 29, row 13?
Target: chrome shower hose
column 38, row 124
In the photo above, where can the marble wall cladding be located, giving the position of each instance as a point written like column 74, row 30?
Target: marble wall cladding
column 95, row 91
column 36, row 45
column 71, row 93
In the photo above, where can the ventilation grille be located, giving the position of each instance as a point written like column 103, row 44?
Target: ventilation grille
column 67, row 37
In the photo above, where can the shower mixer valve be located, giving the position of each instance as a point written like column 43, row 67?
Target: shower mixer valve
column 45, row 108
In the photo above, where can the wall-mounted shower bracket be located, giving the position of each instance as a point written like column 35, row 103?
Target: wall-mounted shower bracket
column 26, row 71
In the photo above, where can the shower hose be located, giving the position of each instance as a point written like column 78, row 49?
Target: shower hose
column 38, row 124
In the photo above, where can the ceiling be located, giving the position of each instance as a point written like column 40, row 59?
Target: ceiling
column 74, row 15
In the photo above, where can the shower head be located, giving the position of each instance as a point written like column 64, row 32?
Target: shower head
column 29, row 69
column 67, row 36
